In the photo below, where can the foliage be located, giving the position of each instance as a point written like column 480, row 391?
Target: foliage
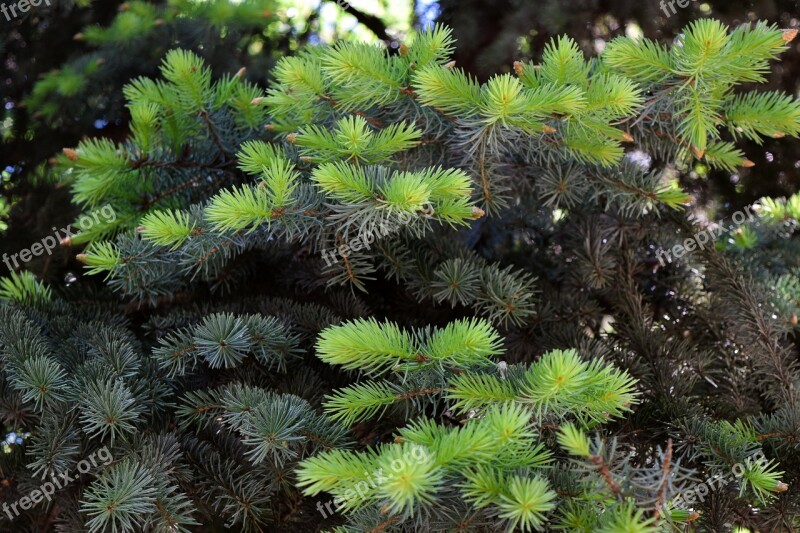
column 309, row 289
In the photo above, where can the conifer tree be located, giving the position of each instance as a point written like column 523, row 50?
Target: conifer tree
column 431, row 303
column 67, row 62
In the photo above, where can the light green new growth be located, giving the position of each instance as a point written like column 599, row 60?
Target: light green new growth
column 461, row 357
column 496, row 459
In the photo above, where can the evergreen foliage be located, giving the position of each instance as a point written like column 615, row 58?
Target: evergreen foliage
column 477, row 269
column 66, row 62
column 562, row 110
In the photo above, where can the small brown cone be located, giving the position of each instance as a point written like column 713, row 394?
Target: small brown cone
column 71, row 154
column 477, row 212
column 66, row 241
column 698, row 152
column 450, row 64
column 793, row 320
column 257, row 100
column 748, row 164
column 403, row 50
column 778, row 135
column 518, row 68
column 77, row 37
column 548, row 129
column 292, row 137
column 240, row 73
column 81, row 258
column 781, row 487
column 627, row 136
column 693, row 517
column 789, row 35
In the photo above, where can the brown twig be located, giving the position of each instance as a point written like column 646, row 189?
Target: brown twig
column 350, row 274
column 375, row 122
column 662, row 489
column 605, row 472
column 214, row 134
column 413, row 394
